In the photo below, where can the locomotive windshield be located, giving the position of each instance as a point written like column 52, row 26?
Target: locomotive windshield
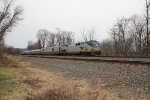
column 94, row 44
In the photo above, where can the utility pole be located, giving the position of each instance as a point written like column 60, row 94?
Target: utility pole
column 147, row 26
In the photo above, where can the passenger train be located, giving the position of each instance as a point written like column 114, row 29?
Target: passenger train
column 82, row 48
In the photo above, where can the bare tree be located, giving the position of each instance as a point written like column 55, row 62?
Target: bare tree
column 123, row 26
column 33, row 45
column 107, row 48
column 30, row 45
column 84, row 35
column 119, row 34
column 89, row 34
column 58, row 36
column 69, row 37
column 51, row 39
column 114, row 33
column 42, row 36
column 92, row 33
column 137, row 30
column 8, row 18
column 147, row 26
column 64, row 37
column 39, row 46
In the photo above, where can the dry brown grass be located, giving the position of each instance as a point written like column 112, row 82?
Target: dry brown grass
column 65, row 94
column 49, row 86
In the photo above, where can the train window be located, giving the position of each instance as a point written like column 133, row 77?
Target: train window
column 52, row 49
column 64, row 45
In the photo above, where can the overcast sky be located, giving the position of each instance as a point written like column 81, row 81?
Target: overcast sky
column 72, row 15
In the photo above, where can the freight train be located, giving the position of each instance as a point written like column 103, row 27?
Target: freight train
column 92, row 47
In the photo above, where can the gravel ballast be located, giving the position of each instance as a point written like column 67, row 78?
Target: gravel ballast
column 120, row 79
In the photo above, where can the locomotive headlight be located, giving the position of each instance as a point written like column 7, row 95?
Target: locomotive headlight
column 97, row 51
column 94, row 50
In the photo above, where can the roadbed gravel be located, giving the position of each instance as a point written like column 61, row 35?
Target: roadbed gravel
column 120, row 79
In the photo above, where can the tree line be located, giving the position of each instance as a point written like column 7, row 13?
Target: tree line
column 129, row 36
column 51, row 39
column 46, row 38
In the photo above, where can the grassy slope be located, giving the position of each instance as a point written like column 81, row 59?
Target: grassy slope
column 11, row 81
column 7, row 78
column 7, row 82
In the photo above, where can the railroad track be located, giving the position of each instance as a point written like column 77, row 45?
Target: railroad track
column 124, row 56
column 110, row 59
